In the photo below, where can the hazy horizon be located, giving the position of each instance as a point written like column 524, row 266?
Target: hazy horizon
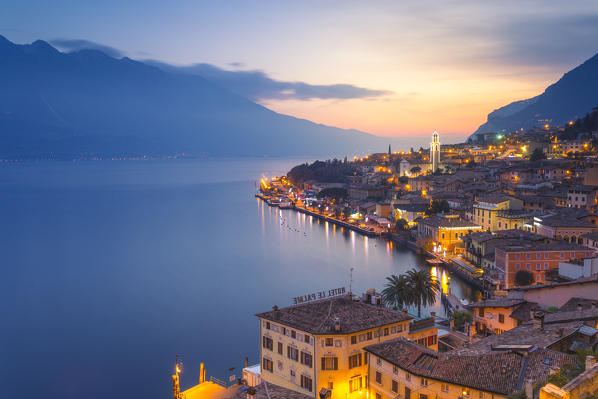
column 398, row 70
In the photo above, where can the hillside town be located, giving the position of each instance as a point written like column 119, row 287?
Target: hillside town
column 515, row 215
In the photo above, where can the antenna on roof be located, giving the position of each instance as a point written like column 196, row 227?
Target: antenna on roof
column 351, row 281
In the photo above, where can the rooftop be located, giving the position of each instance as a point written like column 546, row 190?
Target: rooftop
column 497, row 303
column 318, row 317
column 440, row 221
column 502, row 372
column 267, row 390
column 542, row 247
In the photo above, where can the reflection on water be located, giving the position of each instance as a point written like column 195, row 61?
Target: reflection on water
column 373, row 259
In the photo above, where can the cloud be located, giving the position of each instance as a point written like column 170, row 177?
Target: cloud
column 81, row 44
column 257, row 85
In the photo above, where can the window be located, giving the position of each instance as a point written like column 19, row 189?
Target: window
column 395, row 370
column 538, row 266
column 267, row 364
column 482, row 396
column 518, row 266
column 395, row 386
column 355, row 384
column 280, row 348
column 306, row 383
column 432, row 340
column 444, row 387
column 538, row 255
column 423, row 396
column 330, row 385
column 306, row 338
column 517, row 256
column 280, row 365
column 306, row 359
column 284, row 331
column 407, row 393
column 267, row 325
column 292, row 373
column 292, row 353
column 393, row 329
column 545, row 266
column 355, row 360
column 545, row 255
column 338, row 343
column 501, row 318
column 329, row 342
column 481, row 312
column 353, row 339
column 267, row 342
column 399, row 328
column 330, row 363
column 378, row 396
column 293, row 334
column 379, row 361
column 408, row 377
column 442, row 235
column 529, row 256
column 378, row 377
column 528, row 266
column 369, row 335
column 424, row 382
column 386, row 331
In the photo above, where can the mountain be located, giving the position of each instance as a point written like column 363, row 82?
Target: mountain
column 55, row 104
column 571, row 97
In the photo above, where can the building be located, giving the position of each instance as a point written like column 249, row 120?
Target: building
column 435, row 152
column 444, row 230
column 561, row 227
column 579, row 268
column 535, row 258
column 409, row 212
column 490, row 210
column 493, row 316
column 581, row 197
column 558, row 294
column 319, row 345
column 402, row 369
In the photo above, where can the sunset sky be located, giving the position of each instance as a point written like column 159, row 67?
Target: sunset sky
column 410, row 66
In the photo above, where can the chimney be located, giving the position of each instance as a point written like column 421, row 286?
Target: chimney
column 251, row 391
column 275, row 309
column 325, row 393
column 590, row 362
column 539, row 320
column 529, row 389
column 337, row 324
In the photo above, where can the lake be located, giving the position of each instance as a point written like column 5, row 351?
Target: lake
column 110, row 268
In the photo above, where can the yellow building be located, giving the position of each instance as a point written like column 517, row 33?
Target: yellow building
column 402, row 369
column 491, row 210
column 319, row 345
column 445, row 230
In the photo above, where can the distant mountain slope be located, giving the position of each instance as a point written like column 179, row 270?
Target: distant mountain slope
column 573, row 96
column 86, row 103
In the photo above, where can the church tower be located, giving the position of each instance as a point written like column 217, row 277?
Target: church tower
column 435, row 152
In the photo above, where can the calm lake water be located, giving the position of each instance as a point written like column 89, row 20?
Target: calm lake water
column 111, row 268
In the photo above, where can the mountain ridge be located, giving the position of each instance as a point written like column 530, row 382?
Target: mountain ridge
column 89, row 103
column 570, row 98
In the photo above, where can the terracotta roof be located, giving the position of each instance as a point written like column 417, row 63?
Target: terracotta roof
column 526, row 334
column 318, row 317
column 563, row 221
column 582, row 280
column 439, row 221
column 523, row 312
column 497, row 303
column 267, row 390
column 573, row 304
column 526, row 246
column 573, row 315
column 482, row 370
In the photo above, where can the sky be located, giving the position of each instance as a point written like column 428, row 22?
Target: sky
column 392, row 68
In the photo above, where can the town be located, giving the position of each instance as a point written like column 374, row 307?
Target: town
column 514, row 214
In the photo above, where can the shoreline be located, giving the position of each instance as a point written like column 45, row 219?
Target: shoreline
column 392, row 237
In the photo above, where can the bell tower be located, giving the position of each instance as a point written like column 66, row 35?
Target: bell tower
column 435, row 152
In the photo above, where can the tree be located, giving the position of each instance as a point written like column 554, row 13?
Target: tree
column 537, row 155
column 523, row 277
column 423, row 288
column 347, row 212
column 460, row 319
column 416, row 169
column 403, row 180
column 336, row 193
column 401, row 225
column 397, row 291
column 438, row 206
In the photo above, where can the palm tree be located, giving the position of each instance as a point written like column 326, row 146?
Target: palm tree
column 424, row 289
column 397, row 291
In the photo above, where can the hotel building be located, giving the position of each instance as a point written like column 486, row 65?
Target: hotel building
column 318, row 345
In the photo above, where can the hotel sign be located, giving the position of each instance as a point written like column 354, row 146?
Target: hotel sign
column 318, row 295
